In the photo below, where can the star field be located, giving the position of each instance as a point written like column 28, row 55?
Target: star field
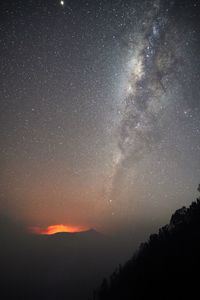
column 99, row 110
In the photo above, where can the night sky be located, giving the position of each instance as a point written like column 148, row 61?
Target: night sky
column 100, row 111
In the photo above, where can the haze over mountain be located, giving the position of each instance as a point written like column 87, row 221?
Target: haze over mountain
column 70, row 265
column 58, row 266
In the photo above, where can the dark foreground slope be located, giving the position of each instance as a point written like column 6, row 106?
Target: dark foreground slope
column 166, row 267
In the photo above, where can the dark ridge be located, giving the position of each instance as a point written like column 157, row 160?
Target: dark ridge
column 165, row 267
column 73, row 234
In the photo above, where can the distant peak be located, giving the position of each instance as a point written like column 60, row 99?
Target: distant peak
column 58, row 228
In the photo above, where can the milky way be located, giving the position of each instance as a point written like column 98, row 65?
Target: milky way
column 153, row 69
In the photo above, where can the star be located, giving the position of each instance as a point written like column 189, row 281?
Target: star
column 62, row 2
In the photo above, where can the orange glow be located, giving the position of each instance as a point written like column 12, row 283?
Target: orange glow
column 57, row 228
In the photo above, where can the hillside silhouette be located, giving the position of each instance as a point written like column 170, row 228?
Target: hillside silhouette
column 166, row 267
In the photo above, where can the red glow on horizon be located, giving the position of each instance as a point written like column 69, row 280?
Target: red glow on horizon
column 58, row 228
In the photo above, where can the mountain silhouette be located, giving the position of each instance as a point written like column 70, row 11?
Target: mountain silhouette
column 166, row 267
column 91, row 233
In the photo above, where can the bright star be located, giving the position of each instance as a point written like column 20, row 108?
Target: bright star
column 62, row 2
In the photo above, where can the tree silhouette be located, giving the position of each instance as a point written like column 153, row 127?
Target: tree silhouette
column 166, row 266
